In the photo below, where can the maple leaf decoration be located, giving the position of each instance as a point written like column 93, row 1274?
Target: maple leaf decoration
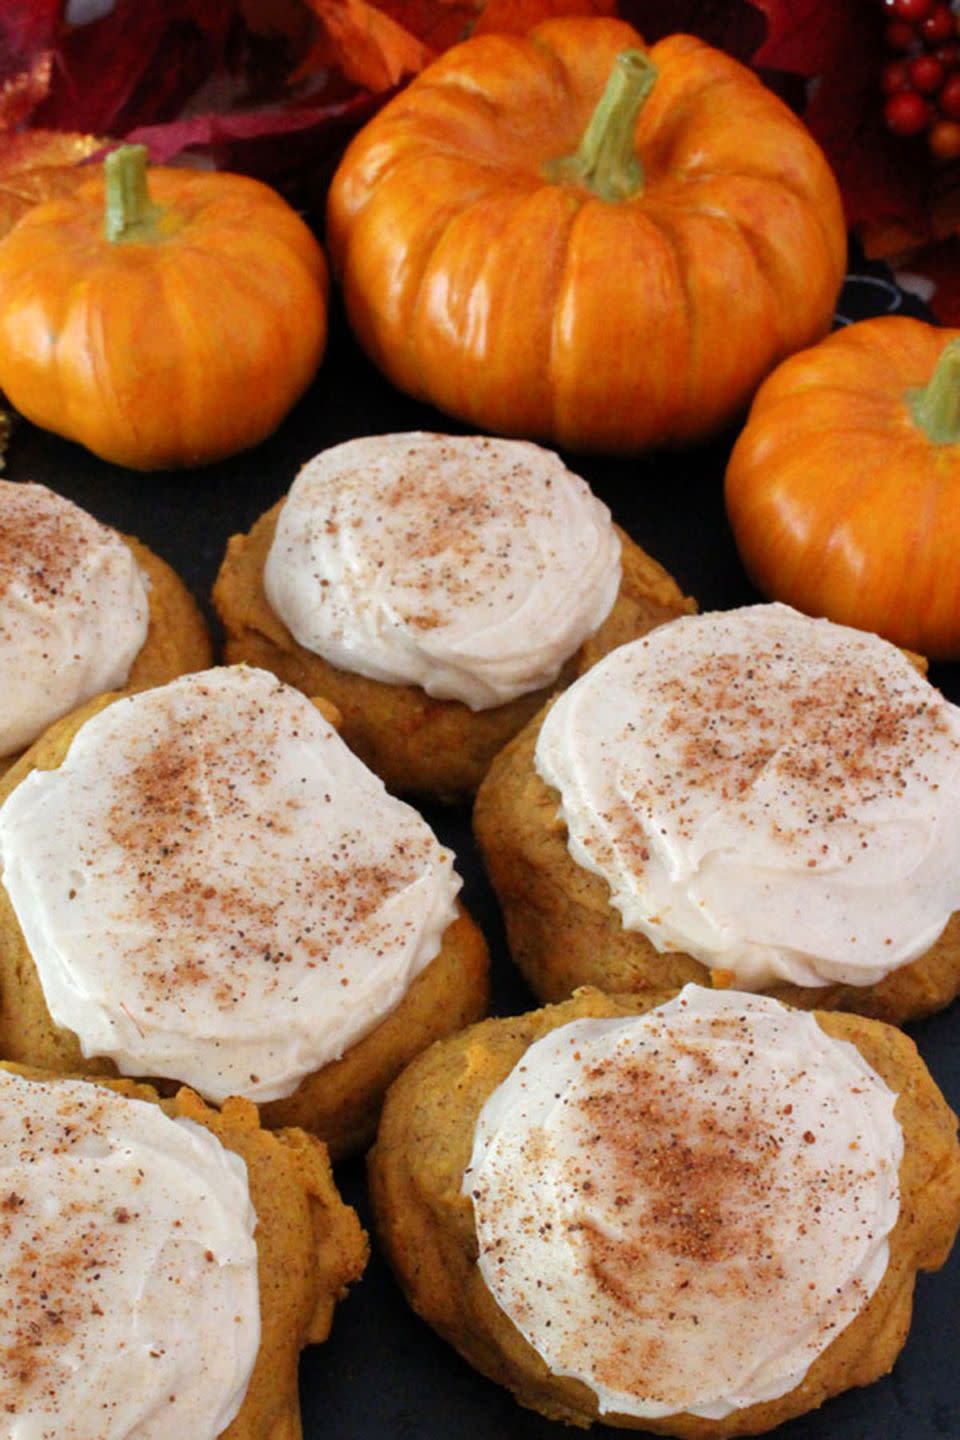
column 371, row 48
column 38, row 165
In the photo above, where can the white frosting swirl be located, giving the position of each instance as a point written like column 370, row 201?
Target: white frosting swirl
column 773, row 795
column 213, row 888
column 683, row 1209
column 128, row 1269
column 469, row 566
column 73, row 610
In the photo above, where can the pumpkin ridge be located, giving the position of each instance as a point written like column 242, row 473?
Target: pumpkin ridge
column 248, row 282
column 681, row 408
column 104, row 388
column 504, row 206
column 275, row 343
column 590, row 204
column 412, row 345
column 760, row 250
column 553, row 353
column 249, row 270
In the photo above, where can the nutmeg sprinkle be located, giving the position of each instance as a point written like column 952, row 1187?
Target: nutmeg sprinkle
column 471, row 566
column 237, row 896
column 73, row 610
column 109, row 1208
column 658, row 1223
column 773, row 795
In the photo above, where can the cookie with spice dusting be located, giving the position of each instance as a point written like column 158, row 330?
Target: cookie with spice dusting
column 163, row 1263
column 201, row 884
column 437, row 589
column 749, row 798
column 83, row 610
column 699, row 1214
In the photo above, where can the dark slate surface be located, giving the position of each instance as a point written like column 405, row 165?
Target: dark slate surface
column 384, row 1374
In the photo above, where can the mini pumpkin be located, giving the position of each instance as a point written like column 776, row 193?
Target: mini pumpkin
column 567, row 236
column 843, row 489
column 165, row 328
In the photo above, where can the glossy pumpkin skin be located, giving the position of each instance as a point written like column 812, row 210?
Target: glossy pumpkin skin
column 176, row 349
column 840, row 503
column 530, row 306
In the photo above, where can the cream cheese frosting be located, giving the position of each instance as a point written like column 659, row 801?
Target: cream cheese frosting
column 469, row 566
column 683, row 1209
column 215, row 889
column 128, row 1269
column 774, row 795
column 74, row 610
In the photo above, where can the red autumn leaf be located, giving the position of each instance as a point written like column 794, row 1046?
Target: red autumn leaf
column 518, row 16
column 370, row 47
column 138, row 63
column 735, row 26
column 219, row 132
column 39, row 165
column 29, row 31
column 805, row 37
column 438, row 23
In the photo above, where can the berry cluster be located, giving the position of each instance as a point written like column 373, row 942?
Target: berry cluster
column 922, row 85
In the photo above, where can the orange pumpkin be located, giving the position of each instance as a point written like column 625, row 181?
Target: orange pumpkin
column 565, row 236
column 180, row 329
column 843, row 490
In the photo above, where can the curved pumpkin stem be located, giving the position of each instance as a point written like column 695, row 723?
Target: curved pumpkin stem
column 936, row 408
column 606, row 160
column 129, row 213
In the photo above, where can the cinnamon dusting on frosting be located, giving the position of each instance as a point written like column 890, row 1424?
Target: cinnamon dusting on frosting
column 659, row 1223
column 715, row 771
column 73, row 610
column 105, row 1308
column 237, row 898
column 473, row 567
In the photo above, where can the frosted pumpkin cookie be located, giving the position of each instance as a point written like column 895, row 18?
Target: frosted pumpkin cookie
column 436, row 588
column 161, row 1264
column 202, row 884
column 83, row 610
column 749, row 798
column 699, row 1215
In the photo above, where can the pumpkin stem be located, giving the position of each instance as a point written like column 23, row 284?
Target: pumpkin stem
column 936, row 408
column 606, row 160
column 129, row 212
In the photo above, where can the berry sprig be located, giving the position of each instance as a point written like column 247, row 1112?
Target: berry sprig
column 922, row 85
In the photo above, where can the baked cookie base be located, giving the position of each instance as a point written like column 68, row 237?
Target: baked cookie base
column 177, row 641
column 310, row 1247
column 564, row 932
column 340, row 1103
column 417, row 745
column 427, row 1231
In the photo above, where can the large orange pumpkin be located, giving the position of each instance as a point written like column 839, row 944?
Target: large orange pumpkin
column 843, row 490
column 566, row 236
column 161, row 329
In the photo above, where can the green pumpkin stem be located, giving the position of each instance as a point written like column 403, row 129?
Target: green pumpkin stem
column 129, row 212
column 606, row 160
column 936, row 408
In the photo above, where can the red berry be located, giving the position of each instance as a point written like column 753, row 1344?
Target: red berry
column 912, row 10
column 949, row 98
column 944, row 140
column 948, row 55
column 906, row 113
column 938, row 25
column 896, row 76
column 900, row 36
column 926, row 74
